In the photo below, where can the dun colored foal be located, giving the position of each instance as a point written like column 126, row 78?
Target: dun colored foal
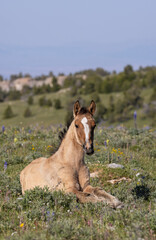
column 66, row 169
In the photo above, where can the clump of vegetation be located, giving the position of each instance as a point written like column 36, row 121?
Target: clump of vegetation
column 57, row 104
column 56, row 86
column 30, row 100
column 14, row 95
column 27, row 112
column 45, row 102
column 153, row 96
column 8, row 113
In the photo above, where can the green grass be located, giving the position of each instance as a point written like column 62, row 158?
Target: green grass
column 43, row 215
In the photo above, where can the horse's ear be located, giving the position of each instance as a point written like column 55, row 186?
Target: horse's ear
column 92, row 107
column 76, row 108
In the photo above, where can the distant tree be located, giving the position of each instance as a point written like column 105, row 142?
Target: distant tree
column 13, row 77
column 3, row 95
column 47, row 88
column 73, row 91
column 106, row 86
column 45, row 102
column 20, row 75
column 27, row 112
column 42, row 101
column 100, row 112
column 132, row 97
column 92, row 84
column 56, row 86
column 27, row 75
column 69, row 82
column 101, row 72
column 150, row 78
column 128, row 69
column 26, row 90
column 89, row 87
column 8, row 113
column 14, row 95
column 95, row 97
column 1, row 78
column 30, row 100
column 57, row 104
column 153, row 96
column 61, row 74
column 51, row 74
column 49, row 103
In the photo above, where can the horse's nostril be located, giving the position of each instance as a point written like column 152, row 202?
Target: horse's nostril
column 90, row 151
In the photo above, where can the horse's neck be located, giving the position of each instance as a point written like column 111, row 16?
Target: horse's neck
column 70, row 149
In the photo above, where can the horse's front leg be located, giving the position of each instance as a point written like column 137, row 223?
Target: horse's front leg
column 104, row 196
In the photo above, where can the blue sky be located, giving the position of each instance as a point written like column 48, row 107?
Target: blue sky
column 39, row 36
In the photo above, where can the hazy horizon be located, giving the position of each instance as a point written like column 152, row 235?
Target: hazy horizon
column 71, row 36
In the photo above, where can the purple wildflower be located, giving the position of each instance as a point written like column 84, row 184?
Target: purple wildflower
column 3, row 128
column 135, row 115
column 105, row 143
column 5, row 166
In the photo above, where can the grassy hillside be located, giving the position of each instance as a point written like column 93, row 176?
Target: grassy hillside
column 49, row 115
column 43, row 215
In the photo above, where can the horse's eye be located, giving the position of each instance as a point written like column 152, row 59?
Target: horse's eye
column 76, row 126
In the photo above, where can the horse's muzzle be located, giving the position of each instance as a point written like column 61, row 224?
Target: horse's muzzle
column 89, row 149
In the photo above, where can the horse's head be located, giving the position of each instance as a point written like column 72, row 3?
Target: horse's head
column 84, row 126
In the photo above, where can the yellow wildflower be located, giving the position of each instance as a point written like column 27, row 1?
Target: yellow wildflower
column 33, row 148
column 22, row 224
column 121, row 152
column 15, row 140
column 98, row 150
column 107, row 141
column 49, row 146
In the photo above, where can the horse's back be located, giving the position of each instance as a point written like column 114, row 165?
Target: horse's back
column 33, row 175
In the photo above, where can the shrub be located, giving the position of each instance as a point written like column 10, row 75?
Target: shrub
column 30, row 100
column 14, row 95
column 57, row 104
column 42, row 101
column 95, row 97
column 153, row 96
column 101, row 111
column 27, row 112
column 8, row 113
column 49, row 103
column 45, row 102
column 56, row 86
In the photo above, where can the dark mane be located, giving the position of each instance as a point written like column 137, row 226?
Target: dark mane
column 63, row 132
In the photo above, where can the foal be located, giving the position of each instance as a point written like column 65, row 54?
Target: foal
column 66, row 169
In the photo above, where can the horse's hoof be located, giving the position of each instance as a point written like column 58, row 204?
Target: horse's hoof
column 121, row 205
column 117, row 204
